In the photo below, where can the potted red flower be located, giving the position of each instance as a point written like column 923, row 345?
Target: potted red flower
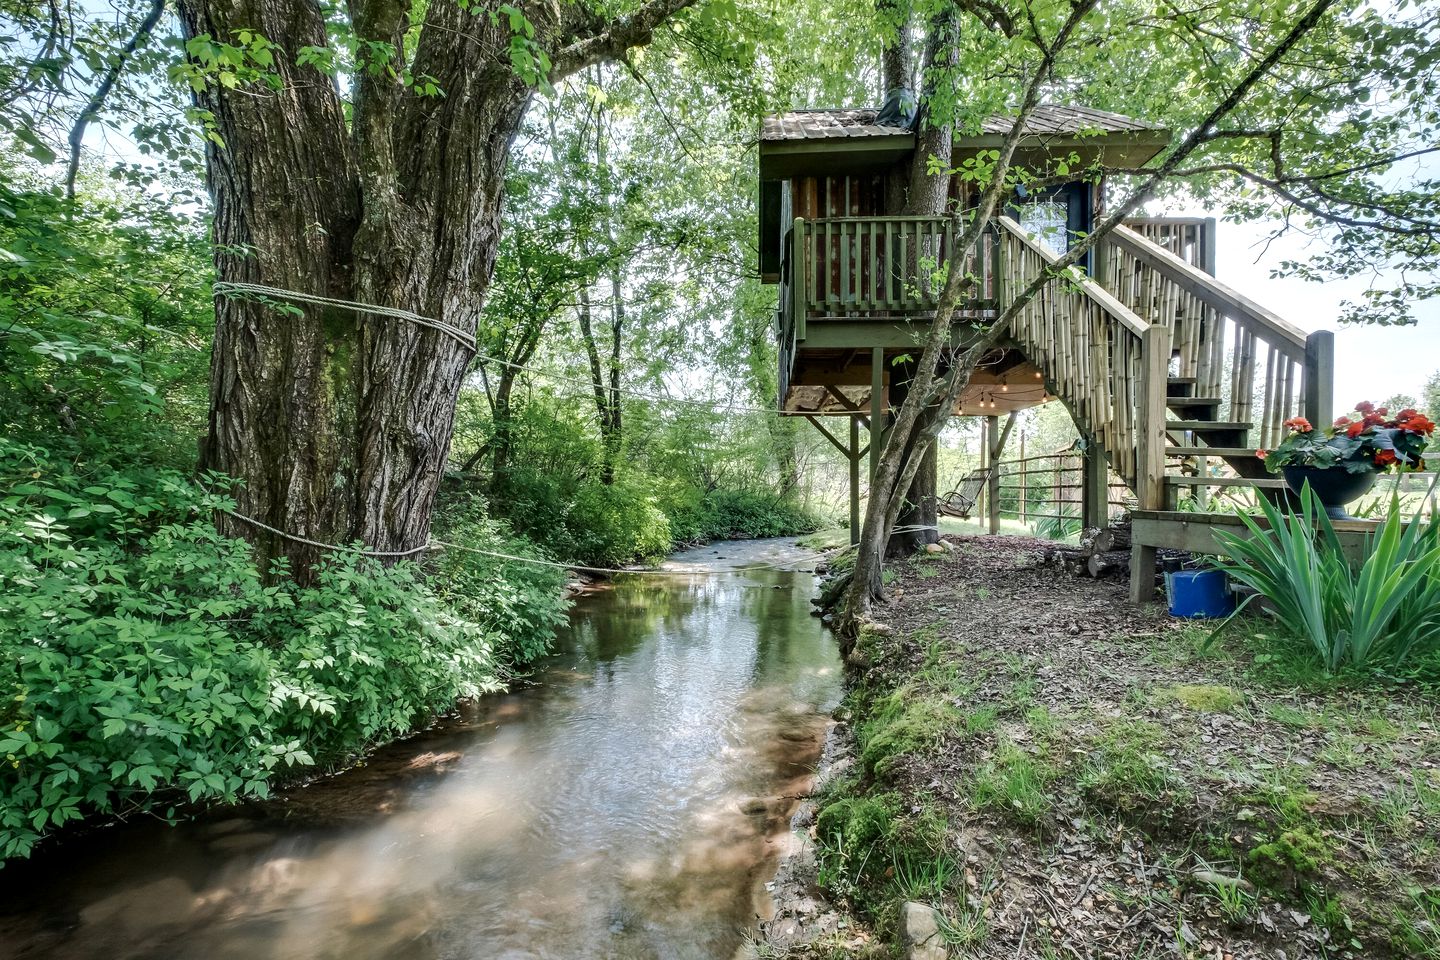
column 1341, row 462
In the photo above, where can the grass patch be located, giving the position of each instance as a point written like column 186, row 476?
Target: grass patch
column 1125, row 770
column 1016, row 785
column 1207, row 698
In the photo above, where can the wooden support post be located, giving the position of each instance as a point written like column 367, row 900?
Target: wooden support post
column 1094, row 485
column 1318, row 405
column 997, row 438
column 1150, row 419
column 854, row 479
column 1022, row 476
column 800, row 273
column 1142, row 571
column 877, row 407
column 1207, row 247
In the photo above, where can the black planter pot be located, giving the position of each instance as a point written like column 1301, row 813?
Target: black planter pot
column 1334, row 487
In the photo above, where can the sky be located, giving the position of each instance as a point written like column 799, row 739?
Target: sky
column 1371, row 363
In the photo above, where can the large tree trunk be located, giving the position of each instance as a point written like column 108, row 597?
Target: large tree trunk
column 339, row 423
column 926, row 195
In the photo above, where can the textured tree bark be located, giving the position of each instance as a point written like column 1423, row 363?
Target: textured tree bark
column 339, row 423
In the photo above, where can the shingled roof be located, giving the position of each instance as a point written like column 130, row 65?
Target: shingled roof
column 1046, row 120
column 821, row 124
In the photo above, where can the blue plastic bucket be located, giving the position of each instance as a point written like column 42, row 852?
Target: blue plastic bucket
column 1199, row 593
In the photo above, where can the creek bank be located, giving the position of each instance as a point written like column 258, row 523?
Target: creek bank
column 1057, row 773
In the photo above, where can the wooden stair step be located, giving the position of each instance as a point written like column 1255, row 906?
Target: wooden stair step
column 1194, row 401
column 1264, row 483
column 1226, row 453
column 1179, row 386
column 1213, row 426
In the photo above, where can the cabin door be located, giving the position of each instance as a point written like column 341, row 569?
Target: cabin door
column 1055, row 218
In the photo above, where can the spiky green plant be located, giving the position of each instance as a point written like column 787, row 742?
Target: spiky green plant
column 1380, row 610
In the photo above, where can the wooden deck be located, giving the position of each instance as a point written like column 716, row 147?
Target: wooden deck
column 1195, row 533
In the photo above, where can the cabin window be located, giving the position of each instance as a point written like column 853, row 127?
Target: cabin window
column 1048, row 222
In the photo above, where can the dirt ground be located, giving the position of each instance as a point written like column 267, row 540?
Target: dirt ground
column 1063, row 775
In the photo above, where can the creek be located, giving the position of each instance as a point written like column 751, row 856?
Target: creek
column 629, row 800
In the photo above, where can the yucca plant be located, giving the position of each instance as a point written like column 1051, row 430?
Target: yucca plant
column 1380, row 610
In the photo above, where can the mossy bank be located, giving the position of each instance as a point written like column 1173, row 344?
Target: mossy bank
column 1057, row 773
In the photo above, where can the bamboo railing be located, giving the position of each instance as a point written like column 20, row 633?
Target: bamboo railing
column 1106, row 362
column 1263, row 368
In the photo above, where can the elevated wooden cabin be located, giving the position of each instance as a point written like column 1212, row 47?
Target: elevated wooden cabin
column 1157, row 361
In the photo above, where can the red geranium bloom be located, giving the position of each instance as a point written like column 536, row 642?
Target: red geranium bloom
column 1341, row 423
column 1298, row 424
column 1385, row 457
column 1261, row 454
column 1356, row 428
column 1365, row 406
column 1419, row 424
column 1406, row 414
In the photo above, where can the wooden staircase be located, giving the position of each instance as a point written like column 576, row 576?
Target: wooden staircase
column 1164, row 366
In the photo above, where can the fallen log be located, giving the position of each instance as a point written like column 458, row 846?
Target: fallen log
column 1112, row 563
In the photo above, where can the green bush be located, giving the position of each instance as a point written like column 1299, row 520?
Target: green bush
column 146, row 660
column 737, row 514
column 1382, row 611
column 519, row 603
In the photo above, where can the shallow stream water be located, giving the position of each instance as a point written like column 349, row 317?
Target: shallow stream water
column 629, row 802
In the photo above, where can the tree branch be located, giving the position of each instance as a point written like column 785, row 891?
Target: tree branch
column 615, row 37
column 107, row 83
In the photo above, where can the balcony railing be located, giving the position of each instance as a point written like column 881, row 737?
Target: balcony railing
column 863, row 267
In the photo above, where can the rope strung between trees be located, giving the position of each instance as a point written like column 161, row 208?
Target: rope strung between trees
column 227, row 289
column 437, row 545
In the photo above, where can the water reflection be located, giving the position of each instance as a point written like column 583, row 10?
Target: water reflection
column 625, row 806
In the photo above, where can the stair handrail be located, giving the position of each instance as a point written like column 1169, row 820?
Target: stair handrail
column 1112, row 305
column 1314, row 352
column 1282, row 333
column 1131, row 431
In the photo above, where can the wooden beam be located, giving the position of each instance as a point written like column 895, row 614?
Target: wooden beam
column 877, row 407
column 799, row 280
column 995, row 437
column 1150, row 419
column 828, row 373
column 1095, row 485
column 829, row 436
column 854, row 458
column 1318, row 404
column 840, row 334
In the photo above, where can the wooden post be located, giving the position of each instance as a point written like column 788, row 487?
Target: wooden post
column 799, row 275
column 992, row 483
column 1150, row 419
column 1022, row 476
column 1207, row 247
column 1094, row 485
column 1319, row 404
column 1142, row 571
column 854, row 479
column 877, row 407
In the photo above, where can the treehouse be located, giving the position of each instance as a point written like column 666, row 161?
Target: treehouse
column 1173, row 378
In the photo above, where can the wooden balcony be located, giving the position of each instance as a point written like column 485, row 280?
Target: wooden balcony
column 853, row 280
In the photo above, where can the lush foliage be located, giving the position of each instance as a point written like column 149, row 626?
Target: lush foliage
column 1381, row 611
column 1370, row 441
column 147, row 659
